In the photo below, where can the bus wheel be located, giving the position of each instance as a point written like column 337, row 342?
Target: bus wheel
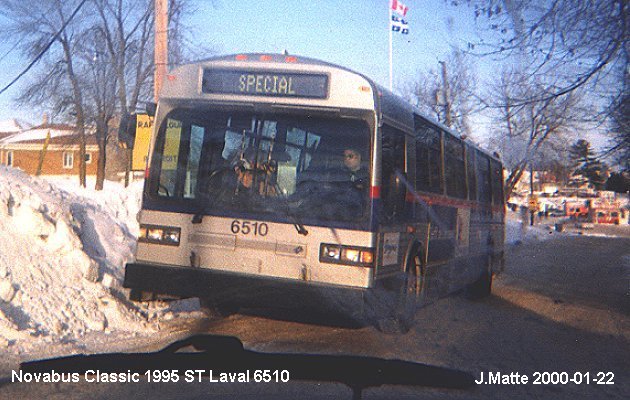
column 399, row 318
column 407, row 301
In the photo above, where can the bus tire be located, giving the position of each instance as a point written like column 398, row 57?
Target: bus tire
column 399, row 314
column 409, row 290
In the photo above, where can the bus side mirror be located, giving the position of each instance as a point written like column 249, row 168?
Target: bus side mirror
column 151, row 108
column 127, row 130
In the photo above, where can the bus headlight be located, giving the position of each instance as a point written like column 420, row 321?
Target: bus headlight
column 336, row 254
column 167, row 235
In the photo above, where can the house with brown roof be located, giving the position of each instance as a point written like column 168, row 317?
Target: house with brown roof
column 55, row 146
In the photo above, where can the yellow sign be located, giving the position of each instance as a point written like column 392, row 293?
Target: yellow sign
column 171, row 146
column 144, row 126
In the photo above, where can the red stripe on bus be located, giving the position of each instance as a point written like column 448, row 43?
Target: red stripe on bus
column 445, row 201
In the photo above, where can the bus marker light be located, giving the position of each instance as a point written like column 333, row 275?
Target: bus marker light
column 290, row 59
column 375, row 192
column 154, row 234
column 367, row 257
column 351, row 255
column 346, row 255
column 265, row 58
column 333, row 252
column 167, row 235
column 241, row 57
column 170, row 236
column 364, row 88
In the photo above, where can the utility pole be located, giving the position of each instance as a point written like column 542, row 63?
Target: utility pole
column 447, row 97
column 161, row 46
column 531, row 193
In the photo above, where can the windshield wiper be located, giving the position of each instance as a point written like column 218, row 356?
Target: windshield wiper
column 299, row 227
column 224, row 354
column 297, row 224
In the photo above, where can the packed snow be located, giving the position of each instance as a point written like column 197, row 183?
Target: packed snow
column 62, row 257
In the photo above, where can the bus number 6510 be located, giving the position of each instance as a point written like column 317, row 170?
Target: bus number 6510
column 248, row 227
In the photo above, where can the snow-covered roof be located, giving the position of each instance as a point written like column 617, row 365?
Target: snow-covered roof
column 39, row 133
column 12, row 126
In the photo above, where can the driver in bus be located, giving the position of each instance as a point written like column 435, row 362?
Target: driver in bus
column 357, row 173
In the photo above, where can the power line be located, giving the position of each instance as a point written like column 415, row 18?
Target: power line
column 45, row 49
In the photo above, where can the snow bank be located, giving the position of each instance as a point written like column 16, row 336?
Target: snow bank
column 517, row 231
column 62, row 256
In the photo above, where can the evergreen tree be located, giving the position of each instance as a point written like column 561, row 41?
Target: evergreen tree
column 586, row 164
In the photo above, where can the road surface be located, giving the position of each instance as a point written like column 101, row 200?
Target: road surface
column 561, row 306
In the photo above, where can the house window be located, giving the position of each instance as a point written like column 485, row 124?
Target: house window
column 10, row 158
column 88, row 158
column 68, row 159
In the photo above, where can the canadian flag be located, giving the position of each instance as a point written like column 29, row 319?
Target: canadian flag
column 399, row 7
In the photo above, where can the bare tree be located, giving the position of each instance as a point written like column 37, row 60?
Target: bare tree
column 619, row 149
column 525, row 129
column 448, row 94
column 101, row 79
column 101, row 64
column 577, row 42
column 37, row 26
column 574, row 44
column 127, row 28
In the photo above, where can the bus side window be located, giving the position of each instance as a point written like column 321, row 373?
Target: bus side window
column 497, row 183
column 472, row 181
column 393, row 160
column 454, row 165
column 484, row 187
column 428, row 159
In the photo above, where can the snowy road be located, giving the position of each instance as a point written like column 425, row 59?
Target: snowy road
column 562, row 305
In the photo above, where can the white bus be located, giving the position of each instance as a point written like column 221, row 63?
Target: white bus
column 283, row 180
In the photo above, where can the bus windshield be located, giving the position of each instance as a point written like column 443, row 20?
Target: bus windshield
column 281, row 167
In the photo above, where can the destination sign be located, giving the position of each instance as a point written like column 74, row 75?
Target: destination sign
column 264, row 83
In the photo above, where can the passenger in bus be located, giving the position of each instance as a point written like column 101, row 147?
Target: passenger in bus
column 234, row 183
column 246, row 172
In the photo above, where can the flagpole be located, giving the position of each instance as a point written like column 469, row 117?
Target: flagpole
column 389, row 25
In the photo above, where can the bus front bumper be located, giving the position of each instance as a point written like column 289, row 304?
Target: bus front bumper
column 222, row 286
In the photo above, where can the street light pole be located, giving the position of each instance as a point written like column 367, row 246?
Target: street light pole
column 531, row 193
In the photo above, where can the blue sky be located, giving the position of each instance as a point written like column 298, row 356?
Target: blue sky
column 352, row 33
